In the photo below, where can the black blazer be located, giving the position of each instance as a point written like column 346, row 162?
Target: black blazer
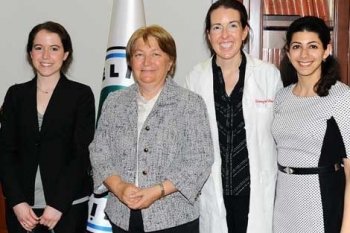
column 60, row 148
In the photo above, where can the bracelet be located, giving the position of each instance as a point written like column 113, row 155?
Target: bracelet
column 162, row 191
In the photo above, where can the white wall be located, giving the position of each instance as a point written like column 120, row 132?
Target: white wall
column 88, row 21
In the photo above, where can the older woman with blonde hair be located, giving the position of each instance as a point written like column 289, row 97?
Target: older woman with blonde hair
column 152, row 149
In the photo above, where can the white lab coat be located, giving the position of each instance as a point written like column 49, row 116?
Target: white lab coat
column 262, row 81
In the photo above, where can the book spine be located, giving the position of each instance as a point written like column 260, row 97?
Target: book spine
column 266, row 7
column 265, row 54
column 317, row 8
column 289, row 7
column 309, row 7
column 270, row 55
column 273, row 7
column 277, row 57
column 323, row 10
column 279, row 7
column 301, row 7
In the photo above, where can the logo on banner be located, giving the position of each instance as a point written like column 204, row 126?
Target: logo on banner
column 98, row 221
column 116, row 74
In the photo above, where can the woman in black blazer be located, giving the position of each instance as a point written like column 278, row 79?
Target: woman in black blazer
column 47, row 126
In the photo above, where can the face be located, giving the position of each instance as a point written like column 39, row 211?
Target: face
column 150, row 65
column 306, row 54
column 47, row 54
column 226, row 34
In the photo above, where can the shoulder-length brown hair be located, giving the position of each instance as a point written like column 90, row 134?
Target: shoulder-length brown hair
column 165, row 41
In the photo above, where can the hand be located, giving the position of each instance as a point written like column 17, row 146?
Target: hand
column 146, row 197
column 126, row 193
column 26, row 216
column 50, row 217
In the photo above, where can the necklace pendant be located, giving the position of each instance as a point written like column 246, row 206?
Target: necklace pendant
column 45, row 92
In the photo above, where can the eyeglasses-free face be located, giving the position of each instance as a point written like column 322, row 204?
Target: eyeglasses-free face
column 306, row 54
column 48, row 54
column 150, row 65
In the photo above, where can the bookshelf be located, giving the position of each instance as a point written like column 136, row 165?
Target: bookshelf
column 269, row 20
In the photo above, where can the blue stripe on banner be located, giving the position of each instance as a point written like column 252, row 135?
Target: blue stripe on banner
column 100, row 228
column 114, row 55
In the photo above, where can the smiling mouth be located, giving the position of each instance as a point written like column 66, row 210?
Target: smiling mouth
column 45, row 64
column 305, row 64
column 226, row 45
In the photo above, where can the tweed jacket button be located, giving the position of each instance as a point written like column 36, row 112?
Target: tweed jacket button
column 144, row 173
column 147, row 128
column 145, row 150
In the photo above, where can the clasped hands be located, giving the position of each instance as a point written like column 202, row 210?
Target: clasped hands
column 135, row 197
column 29, row 220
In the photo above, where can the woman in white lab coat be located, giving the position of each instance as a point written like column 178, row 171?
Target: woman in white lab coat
column 233, row 83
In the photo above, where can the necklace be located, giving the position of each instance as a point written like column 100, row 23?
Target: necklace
column 43, row 91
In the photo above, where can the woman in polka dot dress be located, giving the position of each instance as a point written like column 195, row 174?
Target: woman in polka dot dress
column 311, row 128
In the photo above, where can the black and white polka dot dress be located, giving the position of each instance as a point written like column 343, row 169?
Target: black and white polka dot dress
column 311, row 132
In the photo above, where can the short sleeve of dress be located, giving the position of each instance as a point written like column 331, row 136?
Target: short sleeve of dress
column 342, row 117
column 280, row 97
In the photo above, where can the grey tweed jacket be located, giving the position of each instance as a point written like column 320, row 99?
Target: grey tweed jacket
column 174, row 144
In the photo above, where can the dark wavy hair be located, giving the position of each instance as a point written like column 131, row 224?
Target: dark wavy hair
column 61, row 32
column 330, row 71
column 229, row 4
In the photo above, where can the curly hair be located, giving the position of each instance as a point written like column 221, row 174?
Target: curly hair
column 330, row 72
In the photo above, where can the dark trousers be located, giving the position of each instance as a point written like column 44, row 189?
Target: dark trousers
column 74, row 221
column 136, row 226
column 237, row 209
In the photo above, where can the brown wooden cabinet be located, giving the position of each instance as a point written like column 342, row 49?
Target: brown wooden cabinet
column 2, row 213
column 268, row 30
